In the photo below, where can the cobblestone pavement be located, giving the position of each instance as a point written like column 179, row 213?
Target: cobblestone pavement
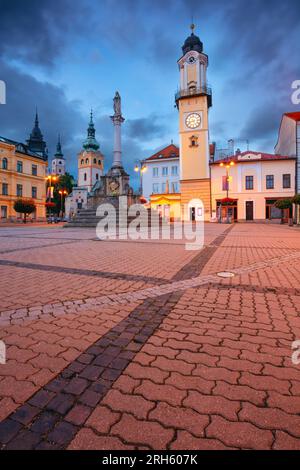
column 141, row 345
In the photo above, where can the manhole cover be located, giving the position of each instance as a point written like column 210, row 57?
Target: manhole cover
column 226, row 274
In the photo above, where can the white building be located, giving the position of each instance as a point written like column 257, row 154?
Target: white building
column 289, row 141
column 58, row 164
column 163, row 172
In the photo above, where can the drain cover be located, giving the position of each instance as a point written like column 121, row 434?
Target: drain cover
column 226, row 274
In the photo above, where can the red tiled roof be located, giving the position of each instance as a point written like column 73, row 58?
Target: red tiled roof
column 171, row 151
column 295, row 116
column 260, row 157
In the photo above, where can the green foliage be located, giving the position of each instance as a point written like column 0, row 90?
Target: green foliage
column 296, row 199
column 63, row 183
column 284, row 203
column 24, row 206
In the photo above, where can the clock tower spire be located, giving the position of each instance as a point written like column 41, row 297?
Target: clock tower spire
column 193, row 101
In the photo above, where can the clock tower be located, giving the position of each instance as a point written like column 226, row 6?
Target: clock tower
column 193, row 101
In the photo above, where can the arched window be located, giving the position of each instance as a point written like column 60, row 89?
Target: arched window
column 85, row 177
column 82, row 162
column 4, row 164
column 99, row 162
column 95, row 161
column 87, row 161
column 97, row 176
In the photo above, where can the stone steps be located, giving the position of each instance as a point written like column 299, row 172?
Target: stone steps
column 88, row 218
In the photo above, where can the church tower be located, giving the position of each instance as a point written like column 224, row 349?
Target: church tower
column 58, row 166
column 193, row 101
column 90, row 160
column 36, row 141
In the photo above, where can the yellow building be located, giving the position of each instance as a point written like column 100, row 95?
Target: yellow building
column 193, row 101
column 256, row 182
column 22, row 174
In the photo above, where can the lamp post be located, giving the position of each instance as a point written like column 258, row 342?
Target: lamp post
column 140, row 167
column 228, row 164
column 49, row 180
column 62, row 193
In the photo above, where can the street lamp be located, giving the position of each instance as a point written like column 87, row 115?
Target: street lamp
column 49, row 180
column 140, row 167
column 62, row 193
column 228, row 164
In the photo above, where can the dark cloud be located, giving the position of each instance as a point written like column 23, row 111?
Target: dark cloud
column 36, row 31
column 145, row 129
column 57, row 114
column 253, row 49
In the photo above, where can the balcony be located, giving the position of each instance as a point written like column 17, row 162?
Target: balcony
column 195, row 91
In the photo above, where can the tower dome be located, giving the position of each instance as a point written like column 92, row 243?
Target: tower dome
column 192, row 43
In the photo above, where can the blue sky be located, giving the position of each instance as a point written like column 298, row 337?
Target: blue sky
column 65, row 57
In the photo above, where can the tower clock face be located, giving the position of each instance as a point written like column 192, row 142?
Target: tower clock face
column 193, row 121
column 191, row 60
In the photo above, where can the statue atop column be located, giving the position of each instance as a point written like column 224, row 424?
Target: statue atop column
column 117, row 104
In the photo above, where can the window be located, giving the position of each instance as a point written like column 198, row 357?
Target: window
column 3, row 212
column 87, row 161
column 165, row 171
column 286, row 181
column 4, row 189
column 155, row 172
column 155, row 188
column 85, row 177
column 99, row 162
column 270, row 181
column 95, row 161
column 82, row 162
column 175, row 187
column 163, row 188
column 4, row 164
column 19, row 190
column 34, row 170
column 225, row 183
column 34, row 192
column 97, row 176
column 174, row 170
column 19, row 167
column 249, row 182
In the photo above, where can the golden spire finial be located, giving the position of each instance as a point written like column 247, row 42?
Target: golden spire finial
column 193, row 26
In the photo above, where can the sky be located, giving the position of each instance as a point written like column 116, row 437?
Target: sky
column 65, row 57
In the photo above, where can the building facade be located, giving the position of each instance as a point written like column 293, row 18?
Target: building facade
column 193, row 102
column 289, row 141
column 161, row 181
column 162, row 172
column 256, row 182
column 22, row 175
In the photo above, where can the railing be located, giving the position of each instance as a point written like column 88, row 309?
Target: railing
column 193, row 91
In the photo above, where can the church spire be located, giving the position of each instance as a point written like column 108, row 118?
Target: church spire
column 91, row 144
column 36, row 141
column 59, row 153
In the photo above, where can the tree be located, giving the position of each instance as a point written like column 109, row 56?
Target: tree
column 24, row 206
column 284, row 204
column 296, row 201
column 64, row 183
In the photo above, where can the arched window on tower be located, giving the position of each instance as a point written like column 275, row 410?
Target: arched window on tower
column 99, row 162
column 95, row 161
column 97, row 176
column 82, row 162
column 87, row 161
column 85, row 177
